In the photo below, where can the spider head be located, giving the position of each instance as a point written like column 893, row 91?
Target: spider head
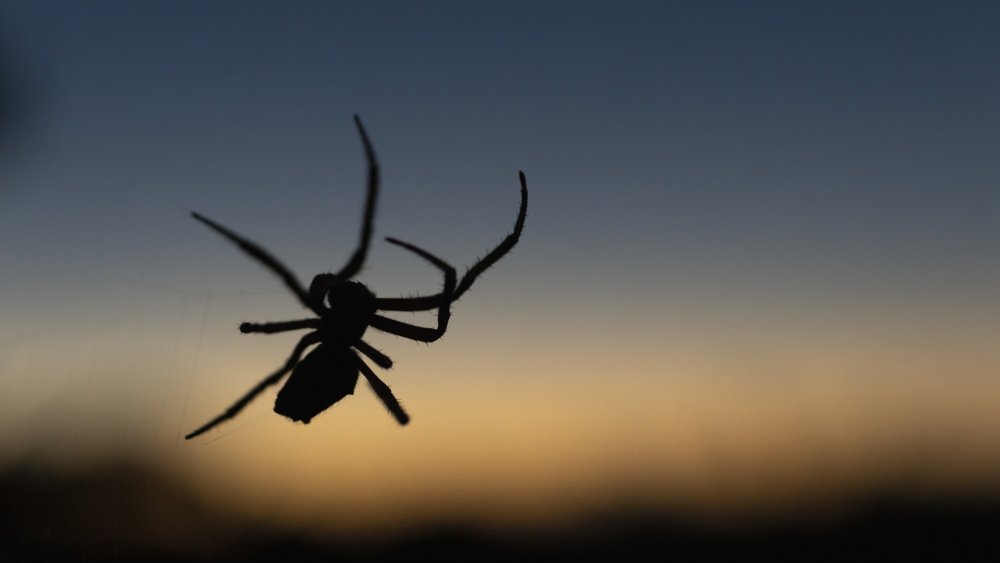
column 351, row 308
column 345, row 299
column 350, row 298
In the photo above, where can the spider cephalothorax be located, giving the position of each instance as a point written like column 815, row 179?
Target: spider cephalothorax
column 349, row 309
column 344, row 310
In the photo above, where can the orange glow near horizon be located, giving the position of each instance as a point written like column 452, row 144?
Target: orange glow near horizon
column 685, row 435
column 538, row 411
column 713, row 421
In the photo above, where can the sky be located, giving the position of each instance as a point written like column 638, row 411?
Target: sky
column 758, row 272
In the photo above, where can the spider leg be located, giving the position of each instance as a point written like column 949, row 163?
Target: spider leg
column 384, row 393
column 406, row 330
column 420, row 333
column 357, row 259
column 305, row 342
column 418, row 303
column 503, row 248
column 380, row 359
column 264, row 257
column 428, row 302
column 283, row 326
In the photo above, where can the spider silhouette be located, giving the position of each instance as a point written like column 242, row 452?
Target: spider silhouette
column 344, row 309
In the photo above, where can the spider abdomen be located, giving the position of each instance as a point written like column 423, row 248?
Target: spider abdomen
column 325, row 376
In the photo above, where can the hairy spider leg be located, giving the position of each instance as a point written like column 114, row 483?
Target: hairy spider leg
column 503, row 248
column 322, row 283
column 384, row 393
column 358, row 258
column 280, row 326
column 264, row 257
column 305, row 342
column 428, row 302
column 419, row 333
column 380, row 359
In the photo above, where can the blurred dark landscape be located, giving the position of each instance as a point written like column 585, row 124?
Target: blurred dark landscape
column 125, row 512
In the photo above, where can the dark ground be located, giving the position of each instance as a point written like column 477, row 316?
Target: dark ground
column 126, row 513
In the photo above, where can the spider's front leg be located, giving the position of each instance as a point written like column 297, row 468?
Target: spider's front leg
column 419, row 333
column 428, row 302
column 353, row 266
column 306, row 341
column 258, row 253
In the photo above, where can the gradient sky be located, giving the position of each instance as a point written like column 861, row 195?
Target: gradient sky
column 759, row 269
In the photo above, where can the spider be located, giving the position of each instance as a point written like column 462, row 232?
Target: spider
column 344, row 309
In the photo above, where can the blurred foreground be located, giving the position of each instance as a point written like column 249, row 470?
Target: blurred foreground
column 124, row 511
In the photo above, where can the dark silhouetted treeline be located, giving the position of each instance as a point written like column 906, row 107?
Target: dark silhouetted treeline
column 126, row 512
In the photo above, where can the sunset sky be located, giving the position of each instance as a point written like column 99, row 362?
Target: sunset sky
column 759, row 273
